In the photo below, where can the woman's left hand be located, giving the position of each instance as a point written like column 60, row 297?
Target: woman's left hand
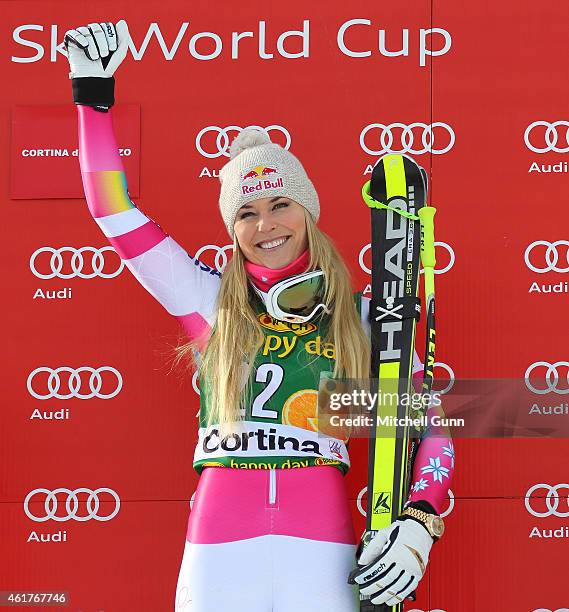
column 394, row 562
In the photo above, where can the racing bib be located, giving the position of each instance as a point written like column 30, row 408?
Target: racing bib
column 280, row 427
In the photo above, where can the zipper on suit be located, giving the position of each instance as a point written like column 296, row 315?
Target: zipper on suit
column 272, row 486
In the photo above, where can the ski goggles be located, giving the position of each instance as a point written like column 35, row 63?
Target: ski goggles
column 296, row 299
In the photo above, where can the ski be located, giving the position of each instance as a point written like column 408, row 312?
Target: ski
column 401, row 237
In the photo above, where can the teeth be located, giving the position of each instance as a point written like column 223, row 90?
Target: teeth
column 273, row 243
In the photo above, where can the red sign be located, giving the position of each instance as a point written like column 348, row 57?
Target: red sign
column 44, row 156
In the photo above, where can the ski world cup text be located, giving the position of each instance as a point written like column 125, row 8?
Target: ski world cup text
column 355, row 38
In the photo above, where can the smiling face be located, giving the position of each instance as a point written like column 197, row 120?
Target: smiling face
column 271, row 232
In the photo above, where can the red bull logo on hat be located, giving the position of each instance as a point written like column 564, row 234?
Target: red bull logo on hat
column 260, row 178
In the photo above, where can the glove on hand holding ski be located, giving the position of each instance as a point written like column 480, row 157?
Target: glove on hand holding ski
column 394, row 562
column 95, row 52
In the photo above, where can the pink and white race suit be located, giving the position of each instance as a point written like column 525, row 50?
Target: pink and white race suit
column 266, row 540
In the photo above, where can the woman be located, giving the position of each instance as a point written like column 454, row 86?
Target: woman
column 261, row 535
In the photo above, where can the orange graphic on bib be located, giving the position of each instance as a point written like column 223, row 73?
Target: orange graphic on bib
column 301, row 410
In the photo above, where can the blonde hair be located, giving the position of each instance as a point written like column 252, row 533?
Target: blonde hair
column 237, row 335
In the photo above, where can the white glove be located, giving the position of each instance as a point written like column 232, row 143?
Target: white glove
column 394, row 562
column 96, row 50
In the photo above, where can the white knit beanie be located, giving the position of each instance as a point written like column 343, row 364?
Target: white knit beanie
column 259, row 168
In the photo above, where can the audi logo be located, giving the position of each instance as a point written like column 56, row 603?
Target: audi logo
column 548, row 610
column 220, row 260
column 195, row 380
column 361, row 509
column 74, row 383
column 55, row 264
column 383, row 137
column 443, row 245
column 222, row 140
column 196, row 387
column 552, row 500
column 551, row 377
column 450, row 373
column 551, row 136
column 50, row 505
column 551, row 256
column 359, row 501
column 450, row 505
column 183, row 597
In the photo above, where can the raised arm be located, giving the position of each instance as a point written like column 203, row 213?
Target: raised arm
column 186, row 287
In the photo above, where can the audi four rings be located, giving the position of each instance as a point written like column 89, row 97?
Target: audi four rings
column 220, row 254
column 551, row 138
column 551, row 378
column 89, row 510
column 77, row 262
column 550, row 259
column 443, row 245
column 385, row 138
column 222, row 138
column 552, row 500
column 451, row 376
column 74, row 383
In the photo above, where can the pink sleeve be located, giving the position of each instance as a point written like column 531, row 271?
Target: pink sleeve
column 186, row 287
column 434, row 463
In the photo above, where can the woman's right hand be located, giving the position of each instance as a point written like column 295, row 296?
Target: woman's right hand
column 96, row 50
